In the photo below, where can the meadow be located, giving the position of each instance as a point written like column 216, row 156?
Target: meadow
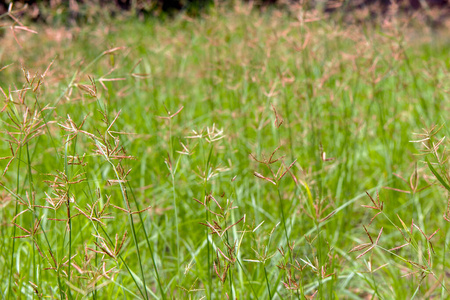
column 241, row 154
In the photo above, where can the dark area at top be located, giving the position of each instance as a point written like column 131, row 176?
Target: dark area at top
column 74, row 11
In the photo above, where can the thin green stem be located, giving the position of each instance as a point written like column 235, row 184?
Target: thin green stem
column 163, row 294
column 267, row 282
column 16, row 211
column 31, row 199
column 173, row 167
column 69, row 218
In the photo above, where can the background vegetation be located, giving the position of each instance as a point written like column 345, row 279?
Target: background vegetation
column 82, row 11
column 242, row 154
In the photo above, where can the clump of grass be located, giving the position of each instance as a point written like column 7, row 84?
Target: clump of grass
column 225, row 156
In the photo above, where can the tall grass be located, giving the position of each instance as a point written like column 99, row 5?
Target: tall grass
column 242, row 154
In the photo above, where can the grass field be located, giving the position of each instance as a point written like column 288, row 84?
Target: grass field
column 232, row 156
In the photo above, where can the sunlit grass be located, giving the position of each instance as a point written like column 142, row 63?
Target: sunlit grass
column 225, row 156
